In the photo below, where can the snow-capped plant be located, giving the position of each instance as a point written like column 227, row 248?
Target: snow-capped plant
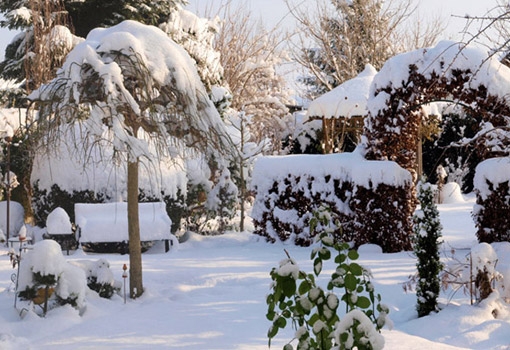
column 475, row 273
column 100, row 277
column 313, row 310
column 427, row 230
column 46, row 278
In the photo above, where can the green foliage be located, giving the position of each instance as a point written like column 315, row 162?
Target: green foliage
column 313, row 311
column 105, row 290
column 427, row 229
column 44, row 201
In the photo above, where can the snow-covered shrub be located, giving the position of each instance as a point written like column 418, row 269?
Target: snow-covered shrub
column 100, row 277
column 492, row 190
column 313, row 311
column 427, row 230
column 476, row 272
column 80, row 169
column 58, row 222
column 211, row 198
column 369, row 199
column 222, row 200
column 45, row 270
column 484, row 260
column 290, row 188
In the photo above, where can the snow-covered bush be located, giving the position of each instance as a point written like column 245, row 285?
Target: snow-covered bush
column 222, row 200
column 58, row 222
column 369, row 199
column 45, row 271
column 492, row 190
column 313, row 310
column 100, row 277
column 427, row 230
column 476, row 273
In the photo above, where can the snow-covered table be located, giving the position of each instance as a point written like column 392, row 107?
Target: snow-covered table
column 101, row 226
column 16, row 244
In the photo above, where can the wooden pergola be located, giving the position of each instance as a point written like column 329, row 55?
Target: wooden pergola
column 342, row 110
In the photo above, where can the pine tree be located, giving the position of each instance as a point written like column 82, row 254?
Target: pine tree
column 427, row 229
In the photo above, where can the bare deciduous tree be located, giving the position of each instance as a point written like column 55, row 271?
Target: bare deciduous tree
column 337, row 38
column 249, row 55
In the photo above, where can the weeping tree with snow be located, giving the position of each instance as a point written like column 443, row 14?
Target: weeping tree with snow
column 135, row 84
column 427, row 229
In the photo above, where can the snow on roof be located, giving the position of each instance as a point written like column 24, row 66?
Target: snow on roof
column 346, row 100
column 108, row 222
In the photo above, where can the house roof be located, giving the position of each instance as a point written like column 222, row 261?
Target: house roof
column 347, row 99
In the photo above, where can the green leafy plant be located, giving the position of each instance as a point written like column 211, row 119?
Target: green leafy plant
column 314, row 311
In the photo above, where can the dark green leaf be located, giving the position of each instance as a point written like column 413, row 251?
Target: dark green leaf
column 272, row 332
column 289, row 287
column 304, row 287
column 353, row 254
column 351, row 282
column 317, row 266
column 363, row 302
column 281, row 322
column 356, row 269
column 324, row 253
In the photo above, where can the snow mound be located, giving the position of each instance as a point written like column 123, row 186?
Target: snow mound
column 58, row 222
column 450, row 193
column 16, row 217
column 369, row 249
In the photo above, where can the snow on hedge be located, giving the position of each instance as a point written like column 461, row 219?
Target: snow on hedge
column 346, row 100
column 350, row 167
column 290, row 188
column 494, row 171
column 444, row 58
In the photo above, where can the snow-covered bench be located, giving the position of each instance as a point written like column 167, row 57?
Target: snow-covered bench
column 104, row 227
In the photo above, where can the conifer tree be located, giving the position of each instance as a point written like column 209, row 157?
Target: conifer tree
column 427, row 229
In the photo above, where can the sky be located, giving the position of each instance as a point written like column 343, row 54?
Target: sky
column 273, row 11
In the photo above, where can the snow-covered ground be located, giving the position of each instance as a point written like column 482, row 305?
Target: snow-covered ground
column 209, row 293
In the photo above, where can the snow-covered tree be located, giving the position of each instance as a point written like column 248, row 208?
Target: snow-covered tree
column 139, row 86
column 36, row 19
column 240, row 128
column 427, row 230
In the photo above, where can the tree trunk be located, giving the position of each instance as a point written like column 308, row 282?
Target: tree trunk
column 135, row 249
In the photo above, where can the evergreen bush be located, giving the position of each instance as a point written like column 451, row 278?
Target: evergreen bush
column 427, row 229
